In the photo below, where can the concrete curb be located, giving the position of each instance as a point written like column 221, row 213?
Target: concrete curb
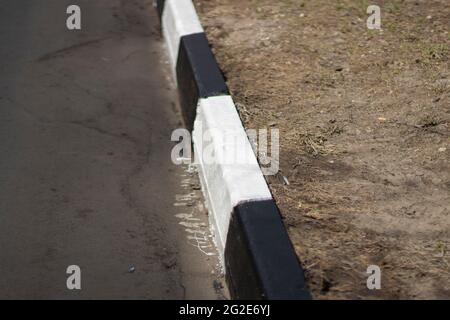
column 259, row 259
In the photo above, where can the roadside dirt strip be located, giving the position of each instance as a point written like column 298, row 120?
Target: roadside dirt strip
column 364, row 122
column 259, row 259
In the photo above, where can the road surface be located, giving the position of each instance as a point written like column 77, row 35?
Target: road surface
column 85, row 172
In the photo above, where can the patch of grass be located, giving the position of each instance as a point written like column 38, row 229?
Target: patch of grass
column 440, row 87
column 352, row 5
column 434, row 52
column 392, row 7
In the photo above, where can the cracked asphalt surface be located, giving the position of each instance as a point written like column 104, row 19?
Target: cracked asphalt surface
column 85, row 170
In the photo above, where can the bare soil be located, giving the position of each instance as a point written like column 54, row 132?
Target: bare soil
column 364, row 120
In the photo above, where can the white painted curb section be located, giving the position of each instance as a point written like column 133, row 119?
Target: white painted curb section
column 179, row 19
column 225, row 185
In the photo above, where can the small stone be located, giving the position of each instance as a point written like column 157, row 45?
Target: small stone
column 217, row 285
column 442, row 149
column 436, row 181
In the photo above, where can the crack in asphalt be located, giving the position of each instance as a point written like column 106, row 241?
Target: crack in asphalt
column 69, row 49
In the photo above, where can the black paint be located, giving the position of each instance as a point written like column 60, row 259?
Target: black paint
column 198, row 75
column 259, row 257
column 160, row 7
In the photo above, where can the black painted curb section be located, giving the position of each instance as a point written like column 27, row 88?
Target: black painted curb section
column 160, row 7
column 260, row 260
column 198, row 74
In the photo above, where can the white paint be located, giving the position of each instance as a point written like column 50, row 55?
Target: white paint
column 179, row 19
column 197, row 230
column 225, row 185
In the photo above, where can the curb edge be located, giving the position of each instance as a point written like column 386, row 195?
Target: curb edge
column 259, row 258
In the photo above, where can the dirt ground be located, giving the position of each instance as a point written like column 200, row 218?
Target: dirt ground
column 364, row 120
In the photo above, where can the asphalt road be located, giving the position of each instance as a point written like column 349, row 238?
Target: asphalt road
column 85, row 172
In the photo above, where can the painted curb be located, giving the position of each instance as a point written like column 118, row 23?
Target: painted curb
column 259, row 259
